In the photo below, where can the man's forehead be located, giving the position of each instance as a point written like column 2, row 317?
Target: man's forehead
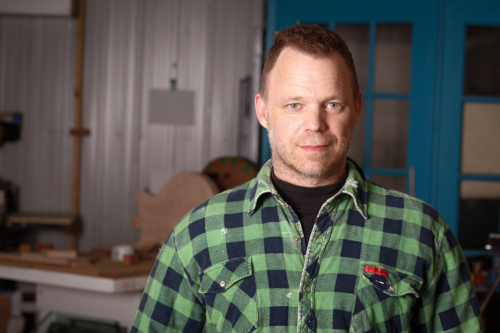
column 290, row 58
column 298, row 69
column 291, row 53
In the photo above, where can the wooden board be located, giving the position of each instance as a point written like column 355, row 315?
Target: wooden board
column 34, row 257
column 160, row 213
column 102, row 267
column 66, row 254
column 42, row 218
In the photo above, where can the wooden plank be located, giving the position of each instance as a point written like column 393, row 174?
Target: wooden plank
column 63, row 254
column 102, row 267
column 75, row 182
column 41, row 218
column 36, row 258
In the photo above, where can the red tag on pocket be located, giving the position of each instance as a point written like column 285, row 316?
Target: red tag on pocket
column 375, row 270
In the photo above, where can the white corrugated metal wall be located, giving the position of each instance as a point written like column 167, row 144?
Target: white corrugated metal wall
column 36, row 66
column 129, row 48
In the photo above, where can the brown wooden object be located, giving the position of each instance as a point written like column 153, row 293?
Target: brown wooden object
column 23, row 218
column 79, row 132
column 75, row 192
column 5, row 308
column 24, row 248
column 228, row 172
column 5, row 313
column 62, row 254
column 36, row 257
column 102, row 266
column 40, row 247
column 131, row 259
column 160, row 213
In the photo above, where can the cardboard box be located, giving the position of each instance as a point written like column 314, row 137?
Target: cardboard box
column 5, row 307
column 11, row 320
column 10, row 304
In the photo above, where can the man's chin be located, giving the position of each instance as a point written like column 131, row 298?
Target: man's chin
column 316, row 166
column 321, row 168
column 315, row 171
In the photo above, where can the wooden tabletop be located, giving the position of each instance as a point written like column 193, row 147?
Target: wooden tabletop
column 100, row 266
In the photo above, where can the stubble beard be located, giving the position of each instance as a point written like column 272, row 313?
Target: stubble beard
column 332, row 160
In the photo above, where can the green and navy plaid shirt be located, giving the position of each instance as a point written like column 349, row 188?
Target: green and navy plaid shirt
column 377, row 261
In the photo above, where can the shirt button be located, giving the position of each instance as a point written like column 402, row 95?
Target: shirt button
column 319, row 240
column 391, row 289
column 297, row 239
column 223, row 284
column 308, row 289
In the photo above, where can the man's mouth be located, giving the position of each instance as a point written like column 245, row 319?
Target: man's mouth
column 314, row 148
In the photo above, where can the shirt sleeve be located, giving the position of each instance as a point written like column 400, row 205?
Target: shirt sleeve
column 449, row 301
column 169, row 302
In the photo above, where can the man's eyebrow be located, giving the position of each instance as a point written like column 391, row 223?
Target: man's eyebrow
column 299, row 98
column 290, row 98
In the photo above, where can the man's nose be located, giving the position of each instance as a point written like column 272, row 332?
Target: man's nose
column 315, row 119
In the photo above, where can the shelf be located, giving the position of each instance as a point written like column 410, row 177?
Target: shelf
column 62, row 219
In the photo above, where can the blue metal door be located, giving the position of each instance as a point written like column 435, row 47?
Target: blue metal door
column 393, row 141
column 468, row 193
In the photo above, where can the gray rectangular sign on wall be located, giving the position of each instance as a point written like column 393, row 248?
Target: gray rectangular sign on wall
column 171, row 107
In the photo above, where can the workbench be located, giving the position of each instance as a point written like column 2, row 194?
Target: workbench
column 105, row 289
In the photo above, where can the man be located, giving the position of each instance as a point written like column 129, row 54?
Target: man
column 310, row 245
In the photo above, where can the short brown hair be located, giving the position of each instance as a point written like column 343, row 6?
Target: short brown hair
column 310, row 39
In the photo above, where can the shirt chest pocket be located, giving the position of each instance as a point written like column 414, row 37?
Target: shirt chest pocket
column 385, row 298
column 229, row 290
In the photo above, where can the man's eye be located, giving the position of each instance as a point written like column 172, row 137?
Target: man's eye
column 294, row 106
column 333, row 105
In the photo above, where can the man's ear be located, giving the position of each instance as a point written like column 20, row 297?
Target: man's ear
column 359, row 103
column 260, row 110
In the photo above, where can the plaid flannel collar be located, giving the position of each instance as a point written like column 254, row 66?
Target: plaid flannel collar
column 355, row 186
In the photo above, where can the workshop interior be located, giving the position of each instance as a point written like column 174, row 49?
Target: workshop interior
column 118, row 117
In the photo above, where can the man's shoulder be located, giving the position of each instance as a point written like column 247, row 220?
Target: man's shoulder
column 387, row 205
column 410, row 224
column 394, row 204
column 230, row 201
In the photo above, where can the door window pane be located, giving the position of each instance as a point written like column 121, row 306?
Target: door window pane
column 356, row 37
column 390, row 133
column 393, row 58
column 481, row 138
column 357, row 148
column 397, row 183
column 482, row 61
column 479, row 212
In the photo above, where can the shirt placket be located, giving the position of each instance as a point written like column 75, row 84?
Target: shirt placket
column 312, row 261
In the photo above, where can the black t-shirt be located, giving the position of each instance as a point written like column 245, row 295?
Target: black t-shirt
column 306, row 201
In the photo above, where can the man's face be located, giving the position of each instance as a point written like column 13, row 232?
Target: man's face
column 310, row 116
